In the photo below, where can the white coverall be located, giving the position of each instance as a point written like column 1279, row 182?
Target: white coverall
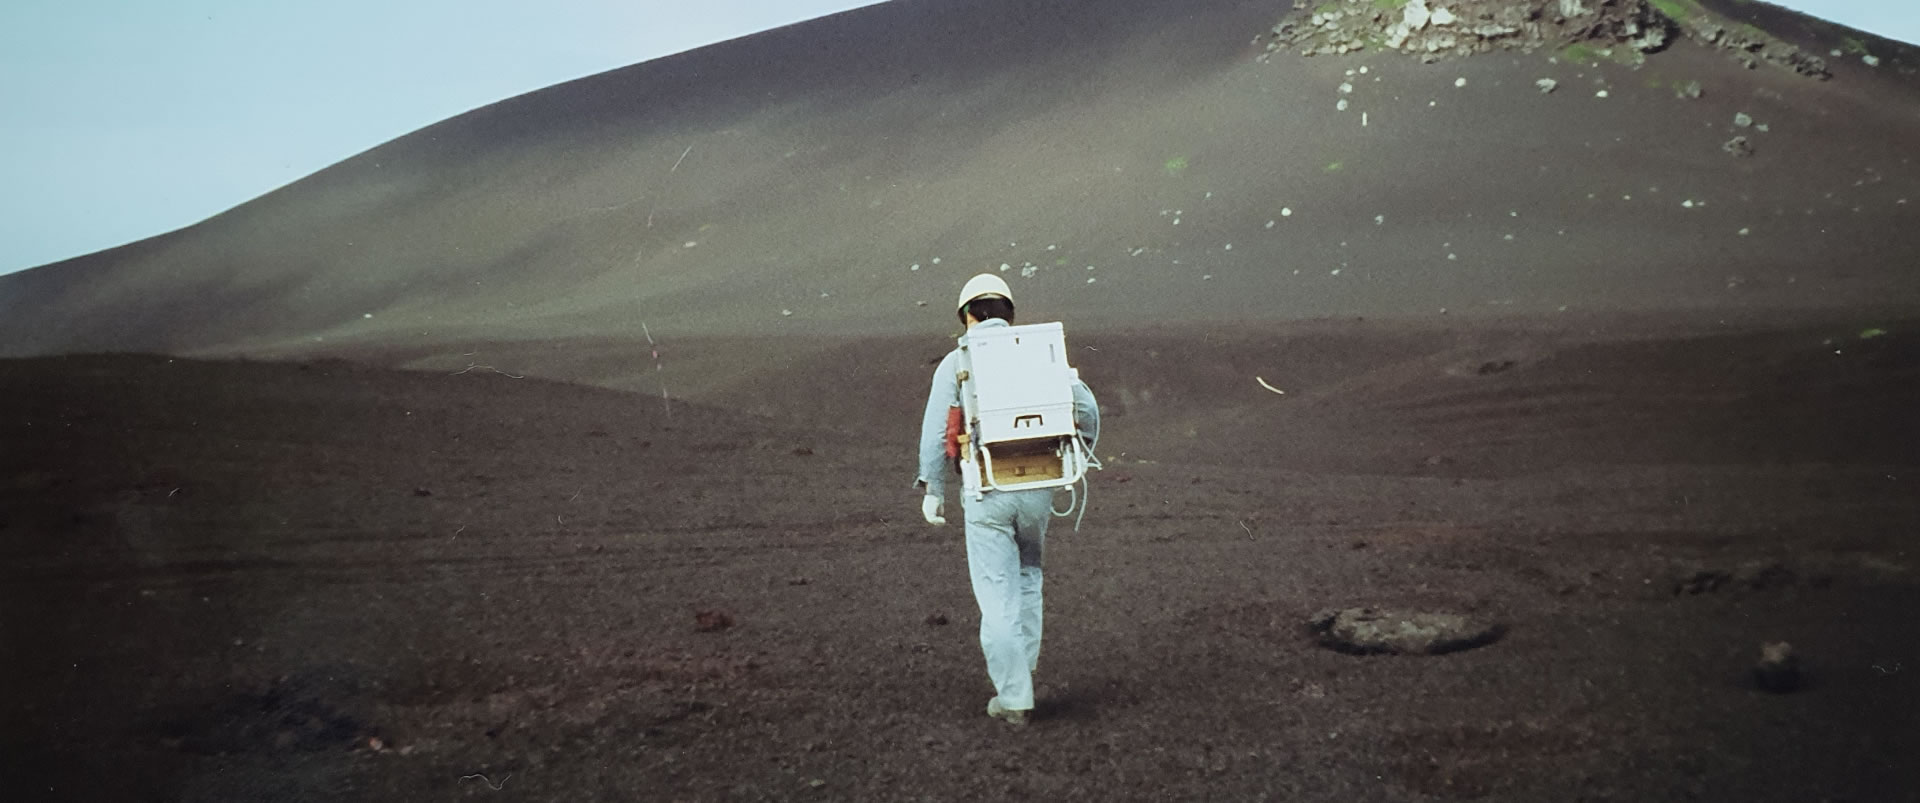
column 1006, row 539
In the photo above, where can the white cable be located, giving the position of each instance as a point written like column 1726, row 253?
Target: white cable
column 1084, row 499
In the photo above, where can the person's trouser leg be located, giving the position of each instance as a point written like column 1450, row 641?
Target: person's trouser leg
column 1005, row 544
column 1032, row 509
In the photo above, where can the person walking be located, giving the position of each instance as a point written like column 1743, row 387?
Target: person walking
column 1006, row 531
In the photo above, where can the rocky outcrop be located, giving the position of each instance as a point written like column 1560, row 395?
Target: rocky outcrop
column 1434, row 29
column 1364, row 631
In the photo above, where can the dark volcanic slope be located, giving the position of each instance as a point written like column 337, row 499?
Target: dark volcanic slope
column 790, row 182
column 322, row 581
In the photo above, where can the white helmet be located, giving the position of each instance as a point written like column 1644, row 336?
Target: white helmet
column 985, row 284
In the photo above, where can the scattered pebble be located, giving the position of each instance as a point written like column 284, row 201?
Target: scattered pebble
column 1453, row 258
column 1346, row 89
column 787, row 313
column 1600, row 94
column 1459, row 82
column 1286, row 211
column 1334, row 272
column 936, row 260
column 1870, row 60
column 1091, row 280
column 1745, row 232
column 1342, row 105
column 1546, row 85
column 1742, row 120
column 916, row 266
column 1229, row 246
column 1004, row 267
column 1270, row 223
column 1379, row 220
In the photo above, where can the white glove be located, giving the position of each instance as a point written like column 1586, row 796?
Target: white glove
column 931, row 507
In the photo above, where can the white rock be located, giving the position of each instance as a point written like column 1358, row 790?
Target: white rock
column 787, row 313
column 1441, row 16
column 1600, row 94
column 1415, row 15
column 1745, row 232
column 1346, row 88
column 1091, row 280
column 1546, row 85
column 1004, row 267
column 1342, row 105
column 1270, row 223
column 1363, row 69
column 1871, row 60
column 1742, row 120
column 1286, row 211
column 936, row 260
column 916, row 266
column 1229, row 246
column 1379, row 220
column 1459, row 82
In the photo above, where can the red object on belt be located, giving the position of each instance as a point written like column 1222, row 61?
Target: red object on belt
column 956, row 423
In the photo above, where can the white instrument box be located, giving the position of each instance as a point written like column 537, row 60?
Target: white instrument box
column 1017, row 389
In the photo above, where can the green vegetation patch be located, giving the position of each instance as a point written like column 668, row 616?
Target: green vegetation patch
column 1176, row 166
column 1869, row 334
column 1580, row 53
column 1853, row 46
column 1389, row 5
column 1676, row 10
column 1326, row 8
column 1334, row 167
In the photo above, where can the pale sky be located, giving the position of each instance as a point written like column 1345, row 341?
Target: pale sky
column 124, row 120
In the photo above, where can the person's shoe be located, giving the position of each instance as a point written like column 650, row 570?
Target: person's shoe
column 1014, row 717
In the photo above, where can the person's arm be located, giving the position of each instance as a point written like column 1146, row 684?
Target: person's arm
column 944, row 394
column 1086, row 413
